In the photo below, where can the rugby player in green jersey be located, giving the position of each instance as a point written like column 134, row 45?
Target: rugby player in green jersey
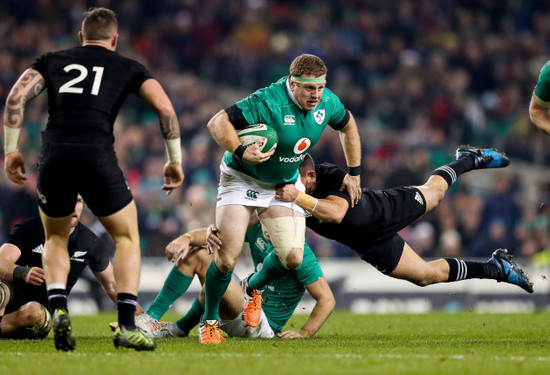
column 298, row 107
column 282, row 296
column 540, row 101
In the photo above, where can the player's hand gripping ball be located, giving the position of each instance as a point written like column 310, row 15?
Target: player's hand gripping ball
column 253, row 133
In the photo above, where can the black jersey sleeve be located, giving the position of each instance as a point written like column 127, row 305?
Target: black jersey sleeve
column 329, row 180
column 141, row 74
column 26, row 234
column 343, row 122
column 236, row 117
column 98, row 253
column 100, row 261
column 39, row 64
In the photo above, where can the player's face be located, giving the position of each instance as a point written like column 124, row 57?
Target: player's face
column 307, row 94
column 77, row 211
column 309, row 179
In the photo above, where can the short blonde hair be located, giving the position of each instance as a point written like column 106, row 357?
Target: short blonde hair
column 309, row 65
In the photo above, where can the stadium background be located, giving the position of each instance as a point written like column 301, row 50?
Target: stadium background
column 421, row 77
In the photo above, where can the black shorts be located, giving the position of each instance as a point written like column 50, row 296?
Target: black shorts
column 64, row 170
column 396, row 208
column 385, row 257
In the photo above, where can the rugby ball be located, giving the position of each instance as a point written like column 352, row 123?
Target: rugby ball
column 253, row 133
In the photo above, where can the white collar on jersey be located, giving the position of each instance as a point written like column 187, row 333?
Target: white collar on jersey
column 291, row 93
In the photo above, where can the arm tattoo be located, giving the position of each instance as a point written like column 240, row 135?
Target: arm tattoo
column 29, row 85
column 170, row 127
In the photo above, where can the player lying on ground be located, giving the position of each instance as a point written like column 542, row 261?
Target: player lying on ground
column 281, row 296
column 24, row 308
column 371, row 226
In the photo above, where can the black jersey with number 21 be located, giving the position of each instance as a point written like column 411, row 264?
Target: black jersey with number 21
column 86, row 87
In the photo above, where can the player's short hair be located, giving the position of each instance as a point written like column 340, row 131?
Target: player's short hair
column 307, row 164
column 99, row 24
column 306, row 64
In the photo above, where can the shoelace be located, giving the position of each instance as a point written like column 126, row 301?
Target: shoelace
column 257, row 301
column 212, row 330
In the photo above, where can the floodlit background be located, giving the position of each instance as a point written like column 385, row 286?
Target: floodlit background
column 421, row 77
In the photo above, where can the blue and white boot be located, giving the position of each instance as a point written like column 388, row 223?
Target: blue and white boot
column 483, row 157
column 509, row 271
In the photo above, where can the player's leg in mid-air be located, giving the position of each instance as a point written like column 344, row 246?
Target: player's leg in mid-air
column 499, row 267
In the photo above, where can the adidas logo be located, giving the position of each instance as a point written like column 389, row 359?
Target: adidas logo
column 419, row 198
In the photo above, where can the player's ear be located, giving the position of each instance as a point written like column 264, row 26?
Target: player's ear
column 80, row 37
column 114, row 41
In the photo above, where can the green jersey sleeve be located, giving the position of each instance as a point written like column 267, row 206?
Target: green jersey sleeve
column 542, row 89
column 309, row 271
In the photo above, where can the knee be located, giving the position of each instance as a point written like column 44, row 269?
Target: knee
column 423, row 278
column 33, row 314
column 4, row 296
column 293, row 258
column 225, row 263
column 433, row 196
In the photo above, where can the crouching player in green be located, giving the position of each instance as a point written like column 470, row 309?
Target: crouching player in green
column 280, row 296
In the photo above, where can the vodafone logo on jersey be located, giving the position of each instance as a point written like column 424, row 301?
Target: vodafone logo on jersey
column 302, row 145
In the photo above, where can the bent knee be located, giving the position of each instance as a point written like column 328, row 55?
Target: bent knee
column 33, row 314
column 294, row 258
column 225, row 264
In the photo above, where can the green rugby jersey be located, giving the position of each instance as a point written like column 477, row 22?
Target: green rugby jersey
column 542, row 89
column 297, row 130
column 281, row 296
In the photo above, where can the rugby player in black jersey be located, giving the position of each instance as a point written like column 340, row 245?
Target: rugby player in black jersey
column 370, row 227
column 24, row 308
column 86, row 87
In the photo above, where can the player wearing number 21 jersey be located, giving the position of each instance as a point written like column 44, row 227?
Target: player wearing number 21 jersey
column 86, row 87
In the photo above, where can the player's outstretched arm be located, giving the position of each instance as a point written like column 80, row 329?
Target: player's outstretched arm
column 331, row 209
column 152, row 93
column 29, row 85
column 179, row 248
column 107, row 280
column 321, row 292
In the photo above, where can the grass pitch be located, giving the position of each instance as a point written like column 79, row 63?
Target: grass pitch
column 435, row 343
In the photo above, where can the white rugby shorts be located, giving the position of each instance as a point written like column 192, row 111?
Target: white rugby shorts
column 238, row 188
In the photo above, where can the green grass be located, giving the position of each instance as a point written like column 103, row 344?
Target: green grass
column 435, row 343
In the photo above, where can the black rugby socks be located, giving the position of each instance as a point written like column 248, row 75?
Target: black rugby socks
column 57, row 298
column 126, row 310
column 451, row 171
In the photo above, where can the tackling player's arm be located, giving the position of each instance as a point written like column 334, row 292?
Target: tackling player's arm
column 224, row 133
column 324, row 306
column 351, row 143
column 29, row 85
column 331, row 209
column 9, row 271
column 538, row 112
column 152, row 93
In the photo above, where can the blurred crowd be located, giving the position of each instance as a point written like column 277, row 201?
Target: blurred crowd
column 420, row 76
